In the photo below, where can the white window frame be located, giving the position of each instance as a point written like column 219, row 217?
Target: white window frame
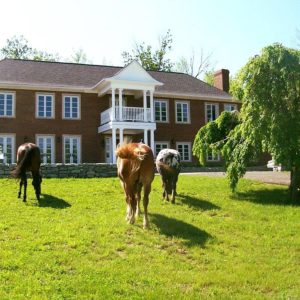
column 64, row 106
column 13, row 94
column 13, row 147
column 160, row 143
column 189, row 144
column 230, row 107
column 45, row 107
column 44, row 136
column 78, row 137
column 188, row 112
column 214, row 157
column 216, row 110
column 160, row 115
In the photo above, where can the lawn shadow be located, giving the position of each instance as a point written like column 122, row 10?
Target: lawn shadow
column 197, row 203
column 52, row 201
column 170, row 227
column 266, row 197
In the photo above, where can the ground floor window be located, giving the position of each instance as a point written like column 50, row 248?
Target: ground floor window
column 185, row 151
column 72, row 149
column 159, row 146
column 7, row 148
column 213, row 156
column 46, row 145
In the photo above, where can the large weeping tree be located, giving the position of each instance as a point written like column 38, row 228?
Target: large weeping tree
column 269, row 87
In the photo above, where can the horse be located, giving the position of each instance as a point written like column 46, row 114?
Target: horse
column 168, row 165
column 135, row 163
column 28, row 160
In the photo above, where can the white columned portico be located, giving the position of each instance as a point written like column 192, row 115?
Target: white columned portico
column 145, row 106
column 146, row 136
column 120, row 104
column 152, row 139
column 151, row 106
column 114, row 144
column 121, row 135
column 113, row 104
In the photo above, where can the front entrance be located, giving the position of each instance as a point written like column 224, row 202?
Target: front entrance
column 108, row 150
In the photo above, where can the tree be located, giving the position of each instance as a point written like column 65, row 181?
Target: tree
column 17, row 48
column 194, row 67
column 153, row 60
column 269, row 87
column 79, row 57
column 209, row 77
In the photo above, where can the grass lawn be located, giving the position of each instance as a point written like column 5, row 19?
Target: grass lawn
column 210, row 244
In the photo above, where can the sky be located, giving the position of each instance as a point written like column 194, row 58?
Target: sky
column 232, row 30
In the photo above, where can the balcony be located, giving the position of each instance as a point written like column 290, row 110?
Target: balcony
column 128, row 114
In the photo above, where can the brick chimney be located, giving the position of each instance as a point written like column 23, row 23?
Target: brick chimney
column 221, row 80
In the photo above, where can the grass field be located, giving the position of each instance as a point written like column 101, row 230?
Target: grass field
column 210, row 244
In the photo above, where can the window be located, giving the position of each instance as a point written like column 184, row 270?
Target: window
column 71, row 107
column 7, row 146
column 230, row 107
column 72, row 149
column 46, row 145
column 159, row 146
column 7, row 104
column 213, row 156
column 211, row 112
column 44, row 106
column 185, row 151
column 182, row 112
column 161, row 110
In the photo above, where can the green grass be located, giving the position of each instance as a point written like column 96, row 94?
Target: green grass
column 210, row 244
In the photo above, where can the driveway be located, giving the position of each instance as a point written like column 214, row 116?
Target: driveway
column 264, row 176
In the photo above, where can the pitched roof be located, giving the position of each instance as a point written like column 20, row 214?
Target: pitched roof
column 71, row 75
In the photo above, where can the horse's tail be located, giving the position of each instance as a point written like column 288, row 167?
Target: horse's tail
column 132, row 151
column 23, row 164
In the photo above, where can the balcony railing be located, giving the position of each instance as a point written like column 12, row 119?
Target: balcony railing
column 130, row 114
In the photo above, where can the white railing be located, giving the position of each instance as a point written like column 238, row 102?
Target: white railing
column 128, row 114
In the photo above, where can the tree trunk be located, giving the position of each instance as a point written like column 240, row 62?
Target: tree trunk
column 295, row 183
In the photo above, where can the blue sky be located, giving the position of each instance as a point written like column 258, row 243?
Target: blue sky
column 232, row 30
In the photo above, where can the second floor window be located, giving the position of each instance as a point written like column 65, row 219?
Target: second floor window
column 71, row 107
column 182, row 112
column 7, row 104
column 45, row 106
column 161, row 111
column 211, row 112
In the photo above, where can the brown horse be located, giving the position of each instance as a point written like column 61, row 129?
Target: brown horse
column 136, row 171
column 28, row 160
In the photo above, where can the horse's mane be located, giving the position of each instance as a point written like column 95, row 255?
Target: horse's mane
column 132, row 151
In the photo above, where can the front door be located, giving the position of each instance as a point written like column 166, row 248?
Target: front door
column 108, row 150
column 7, row 148
column 72, row 149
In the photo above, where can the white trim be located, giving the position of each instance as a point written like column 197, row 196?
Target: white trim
column 63, row 106
column 44, row 136
column 13, row 94
column 231, row 105
column 167, row 110
column 188, row 112
column 217, row 110
column 13, row 145
column 190, row 150
column 37, row 94
column 72, row 136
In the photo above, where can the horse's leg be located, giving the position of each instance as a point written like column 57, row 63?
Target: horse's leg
column 132, row 207
column 20, row 188
column 36, row 184
column 173, row 190
column 25, row 188
column 138, row 199
column 147, row 190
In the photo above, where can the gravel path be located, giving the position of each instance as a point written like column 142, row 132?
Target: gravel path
column 264, row 176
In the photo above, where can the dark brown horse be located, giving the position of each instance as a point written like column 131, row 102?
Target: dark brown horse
column 136, row 171
column 28, row 160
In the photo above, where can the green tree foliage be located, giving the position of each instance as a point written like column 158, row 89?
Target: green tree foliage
column 154, row 60
column 17, row 48
column 269, row 86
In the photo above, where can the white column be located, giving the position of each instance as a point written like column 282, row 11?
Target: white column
column 152, row 140
column 114, row 145
column 120, row 105
column 151, row 106
column 145, row 106
column 145, row 136
column 121, row 137
column 113, row 104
